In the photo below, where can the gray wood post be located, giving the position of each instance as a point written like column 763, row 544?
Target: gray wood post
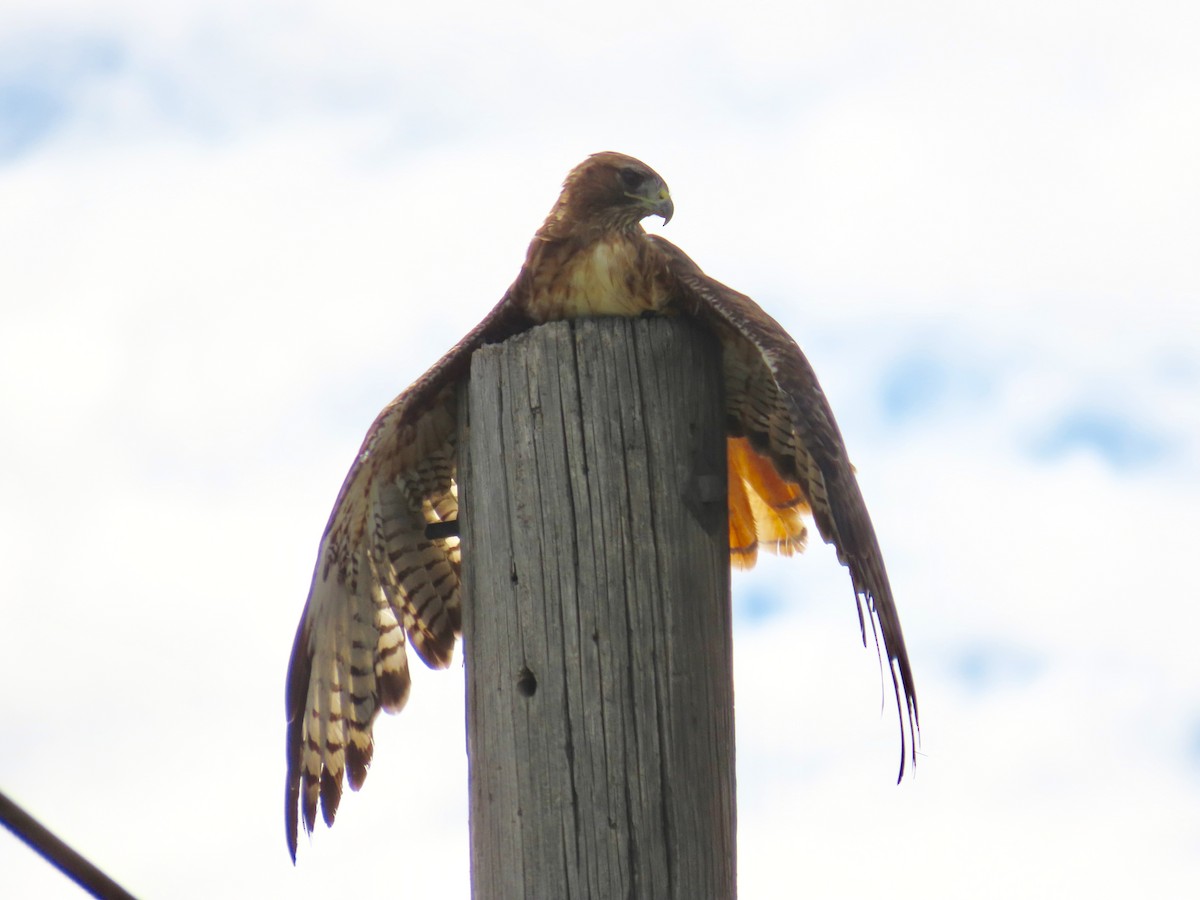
column 596, row 615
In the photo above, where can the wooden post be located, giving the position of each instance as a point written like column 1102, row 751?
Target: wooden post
column 596, row 615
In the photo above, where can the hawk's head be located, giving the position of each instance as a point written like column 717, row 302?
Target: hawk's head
column 609, row 192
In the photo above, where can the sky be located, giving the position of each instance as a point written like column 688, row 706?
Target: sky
column 231, row 232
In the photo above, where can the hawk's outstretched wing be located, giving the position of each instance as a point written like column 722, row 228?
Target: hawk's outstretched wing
column 774, row 402
column 379, row 576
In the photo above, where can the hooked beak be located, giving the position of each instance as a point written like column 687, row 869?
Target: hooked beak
column 663, row 206
column 656, row 200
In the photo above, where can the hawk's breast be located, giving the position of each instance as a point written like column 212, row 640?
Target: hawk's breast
column 610, row 277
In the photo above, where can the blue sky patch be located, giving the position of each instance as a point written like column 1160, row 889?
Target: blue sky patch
column 756, row 605
column 922, row 384
column 39, row 83
column 28, row 112
column 1119, row 440
column 913, row 386
column 983, row 667
column 1192, row 747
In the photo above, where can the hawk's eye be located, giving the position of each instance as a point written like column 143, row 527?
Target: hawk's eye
column 632, row 178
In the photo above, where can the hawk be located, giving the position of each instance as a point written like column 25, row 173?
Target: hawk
column 388, row 567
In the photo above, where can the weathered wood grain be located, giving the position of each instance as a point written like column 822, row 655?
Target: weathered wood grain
column 596, row 615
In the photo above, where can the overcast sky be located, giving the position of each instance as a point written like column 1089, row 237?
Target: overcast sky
column 231, row 231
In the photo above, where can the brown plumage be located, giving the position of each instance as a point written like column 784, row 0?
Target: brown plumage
column 382, row 576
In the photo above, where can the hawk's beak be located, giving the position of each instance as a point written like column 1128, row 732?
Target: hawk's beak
column 657, row 202
column 663, row 206
column 660, row 203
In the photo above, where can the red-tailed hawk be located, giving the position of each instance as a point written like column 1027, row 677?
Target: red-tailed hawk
column 389, row 564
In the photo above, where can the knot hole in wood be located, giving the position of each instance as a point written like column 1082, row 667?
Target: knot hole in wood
column 526, row 682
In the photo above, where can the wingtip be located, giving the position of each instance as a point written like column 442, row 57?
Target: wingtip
column 292, row 816
column 291, row 812
column 358, row 761
column 908, row 713
column 331, row 796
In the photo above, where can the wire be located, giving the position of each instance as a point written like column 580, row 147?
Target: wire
column 58, row 854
